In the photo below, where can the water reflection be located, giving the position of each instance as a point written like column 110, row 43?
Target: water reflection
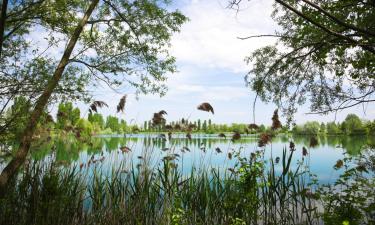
column 197, row 152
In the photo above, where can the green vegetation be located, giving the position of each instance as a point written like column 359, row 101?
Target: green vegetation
column 68, row 118
column 96, row 42
column 253, row 192
column 323, row 56
column 351, row 126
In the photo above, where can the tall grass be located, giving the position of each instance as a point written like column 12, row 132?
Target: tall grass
column 251, row 193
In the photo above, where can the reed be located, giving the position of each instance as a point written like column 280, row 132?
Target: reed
column 256, row 191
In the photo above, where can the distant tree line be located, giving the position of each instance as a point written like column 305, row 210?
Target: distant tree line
column 352, row 125
column 204, row 126
column 69, row 119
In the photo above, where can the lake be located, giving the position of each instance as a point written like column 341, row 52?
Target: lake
column 202, row 152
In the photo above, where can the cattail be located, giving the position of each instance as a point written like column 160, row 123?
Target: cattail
column 121, row 104
column 222, row 135
column 253, row 126
column 292, row 146
column 339, row 164
column 264, row 140
column 236, row 136
column 158, row 118
column 95, row 105
column 205, row 106
column 276, row 124
column 125, row 149
column 304, row 151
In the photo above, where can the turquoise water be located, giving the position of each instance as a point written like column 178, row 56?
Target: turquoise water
column 201, row 152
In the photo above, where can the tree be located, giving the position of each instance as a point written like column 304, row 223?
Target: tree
column 41, row 103
column 311, row 128
column 126, row 37
column 324, row 54
column 262, row 128
column 204, row 125
column 199, row 125
column 84, row 127
column 20, row 113
column 353, row 125
column 123, row 126
column 332, row 128
column 323, row 128
column 371, row 127
column 112, row 123
column 97, row 119
column 67, row 115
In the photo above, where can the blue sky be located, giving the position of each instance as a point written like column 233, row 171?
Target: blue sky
column 210, row 60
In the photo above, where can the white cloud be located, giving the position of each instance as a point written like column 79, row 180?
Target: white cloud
column 210, row 40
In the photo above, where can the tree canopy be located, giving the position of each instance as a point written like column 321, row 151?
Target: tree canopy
column 88, row 43
column 123, row 44
column 324, row 55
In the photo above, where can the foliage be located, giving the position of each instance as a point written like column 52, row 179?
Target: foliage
column 161, row 195
column 107, row 43
column 332, row 128
column 353, row 125
column 97, row 119
column 16, row 116
column 85, row 128
column 351, row 198
column 67, row 115
column 324, row 54
column 112, row 123
column 309, row 128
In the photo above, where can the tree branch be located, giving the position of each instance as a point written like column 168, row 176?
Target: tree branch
column 365, row 47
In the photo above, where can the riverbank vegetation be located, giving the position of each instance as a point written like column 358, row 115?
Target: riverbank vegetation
column 252, row 192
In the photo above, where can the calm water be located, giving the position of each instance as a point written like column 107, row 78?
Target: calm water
column 199, row 152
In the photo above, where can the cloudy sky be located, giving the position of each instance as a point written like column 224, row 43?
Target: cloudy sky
column 210, row 60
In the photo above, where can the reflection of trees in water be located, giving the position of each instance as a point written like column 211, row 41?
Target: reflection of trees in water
column 96, row 145
column 371, row 142
column 67, row 149
column 334, row 141
column 41, row 150
column 302, row 140
column 112, row 143
column 354, row 144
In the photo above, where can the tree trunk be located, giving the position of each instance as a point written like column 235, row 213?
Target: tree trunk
column 11, row 169
column 4, row 7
